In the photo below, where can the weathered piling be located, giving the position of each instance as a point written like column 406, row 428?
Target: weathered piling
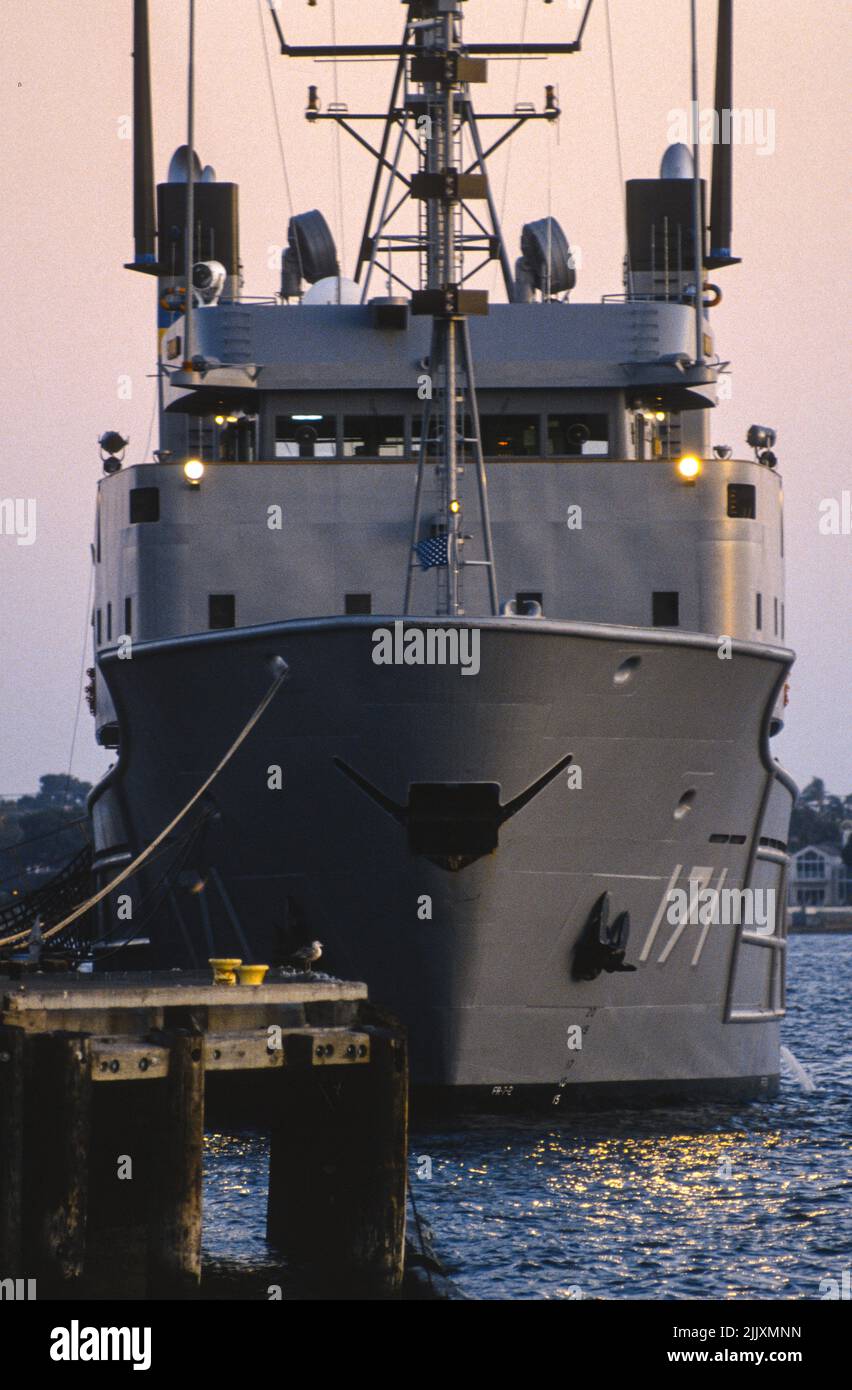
column 11, row 1151
column 57, row 1123
column 101, row 1177
column 174, row 1223
column 337, row 1176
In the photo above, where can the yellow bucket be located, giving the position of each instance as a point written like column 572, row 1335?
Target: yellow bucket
column 252, row 974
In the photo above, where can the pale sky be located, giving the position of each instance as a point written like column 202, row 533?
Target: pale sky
column 78, row 328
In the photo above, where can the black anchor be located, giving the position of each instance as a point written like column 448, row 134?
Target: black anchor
column 601, row 946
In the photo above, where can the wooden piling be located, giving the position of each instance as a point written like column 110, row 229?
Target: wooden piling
column 337, row 1177
column 11, row 1151
column 174, row 1221
column 57, row 1110
column 129, row 1082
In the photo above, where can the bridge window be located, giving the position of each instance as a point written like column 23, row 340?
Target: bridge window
column 510, row 436
column 144, row 505
column 222, row 610
column 235, row 440
column 373, row 436
column 742, row 501
column 665, row 605
column 574, row 436
column 305, row 436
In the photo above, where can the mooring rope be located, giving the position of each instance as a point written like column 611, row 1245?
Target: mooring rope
column 149, row 850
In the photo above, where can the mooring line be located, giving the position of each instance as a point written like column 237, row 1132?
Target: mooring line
column 149, row 850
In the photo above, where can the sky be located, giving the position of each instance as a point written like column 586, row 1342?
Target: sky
column 79, row 330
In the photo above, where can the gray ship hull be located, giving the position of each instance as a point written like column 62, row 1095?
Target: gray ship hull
column 464, row 909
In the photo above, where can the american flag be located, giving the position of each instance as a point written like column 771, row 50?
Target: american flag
column 432, row 552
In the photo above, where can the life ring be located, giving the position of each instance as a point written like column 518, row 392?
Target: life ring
column 716, row 293
column 174, row 299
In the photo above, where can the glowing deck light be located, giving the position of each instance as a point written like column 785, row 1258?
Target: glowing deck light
column 689, row 467
column 193, row 471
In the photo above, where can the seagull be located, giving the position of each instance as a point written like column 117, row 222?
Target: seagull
column 306, row 955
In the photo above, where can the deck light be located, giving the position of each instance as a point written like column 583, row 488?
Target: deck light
column 689, row 468
column 455, row 506
column 193, row 471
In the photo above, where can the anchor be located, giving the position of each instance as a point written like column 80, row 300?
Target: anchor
column 602, row 946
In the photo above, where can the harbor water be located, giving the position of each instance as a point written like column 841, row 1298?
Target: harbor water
column 710, row 1201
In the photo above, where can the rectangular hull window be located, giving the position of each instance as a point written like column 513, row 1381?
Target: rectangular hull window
column 665, row 608
column 128, row 616
column 742, row 501
column 144, row 505
column 222, row 610
column 109, row 622
column 758, row 611
column 358, row 603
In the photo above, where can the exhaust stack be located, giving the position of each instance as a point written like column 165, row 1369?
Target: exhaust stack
column 144, row 226
column 722, row 193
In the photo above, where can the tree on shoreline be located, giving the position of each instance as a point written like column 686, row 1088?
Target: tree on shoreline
column 819, row 817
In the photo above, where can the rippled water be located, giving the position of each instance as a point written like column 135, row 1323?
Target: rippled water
column 709, row 1201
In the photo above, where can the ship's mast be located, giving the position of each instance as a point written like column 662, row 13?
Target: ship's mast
column 434, row 70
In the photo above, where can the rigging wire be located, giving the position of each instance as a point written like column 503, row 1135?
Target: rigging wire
column 46, row 834
column 185, row 846
column 614, row 93
column 338, row 159
column 277, row 122
column 19, row 844
column 508, row 164
column 151, row 422
column 86, row 625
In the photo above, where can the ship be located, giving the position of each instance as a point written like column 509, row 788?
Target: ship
column 437, row 629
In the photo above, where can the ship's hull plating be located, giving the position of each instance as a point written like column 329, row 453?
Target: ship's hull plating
column 470, row 931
